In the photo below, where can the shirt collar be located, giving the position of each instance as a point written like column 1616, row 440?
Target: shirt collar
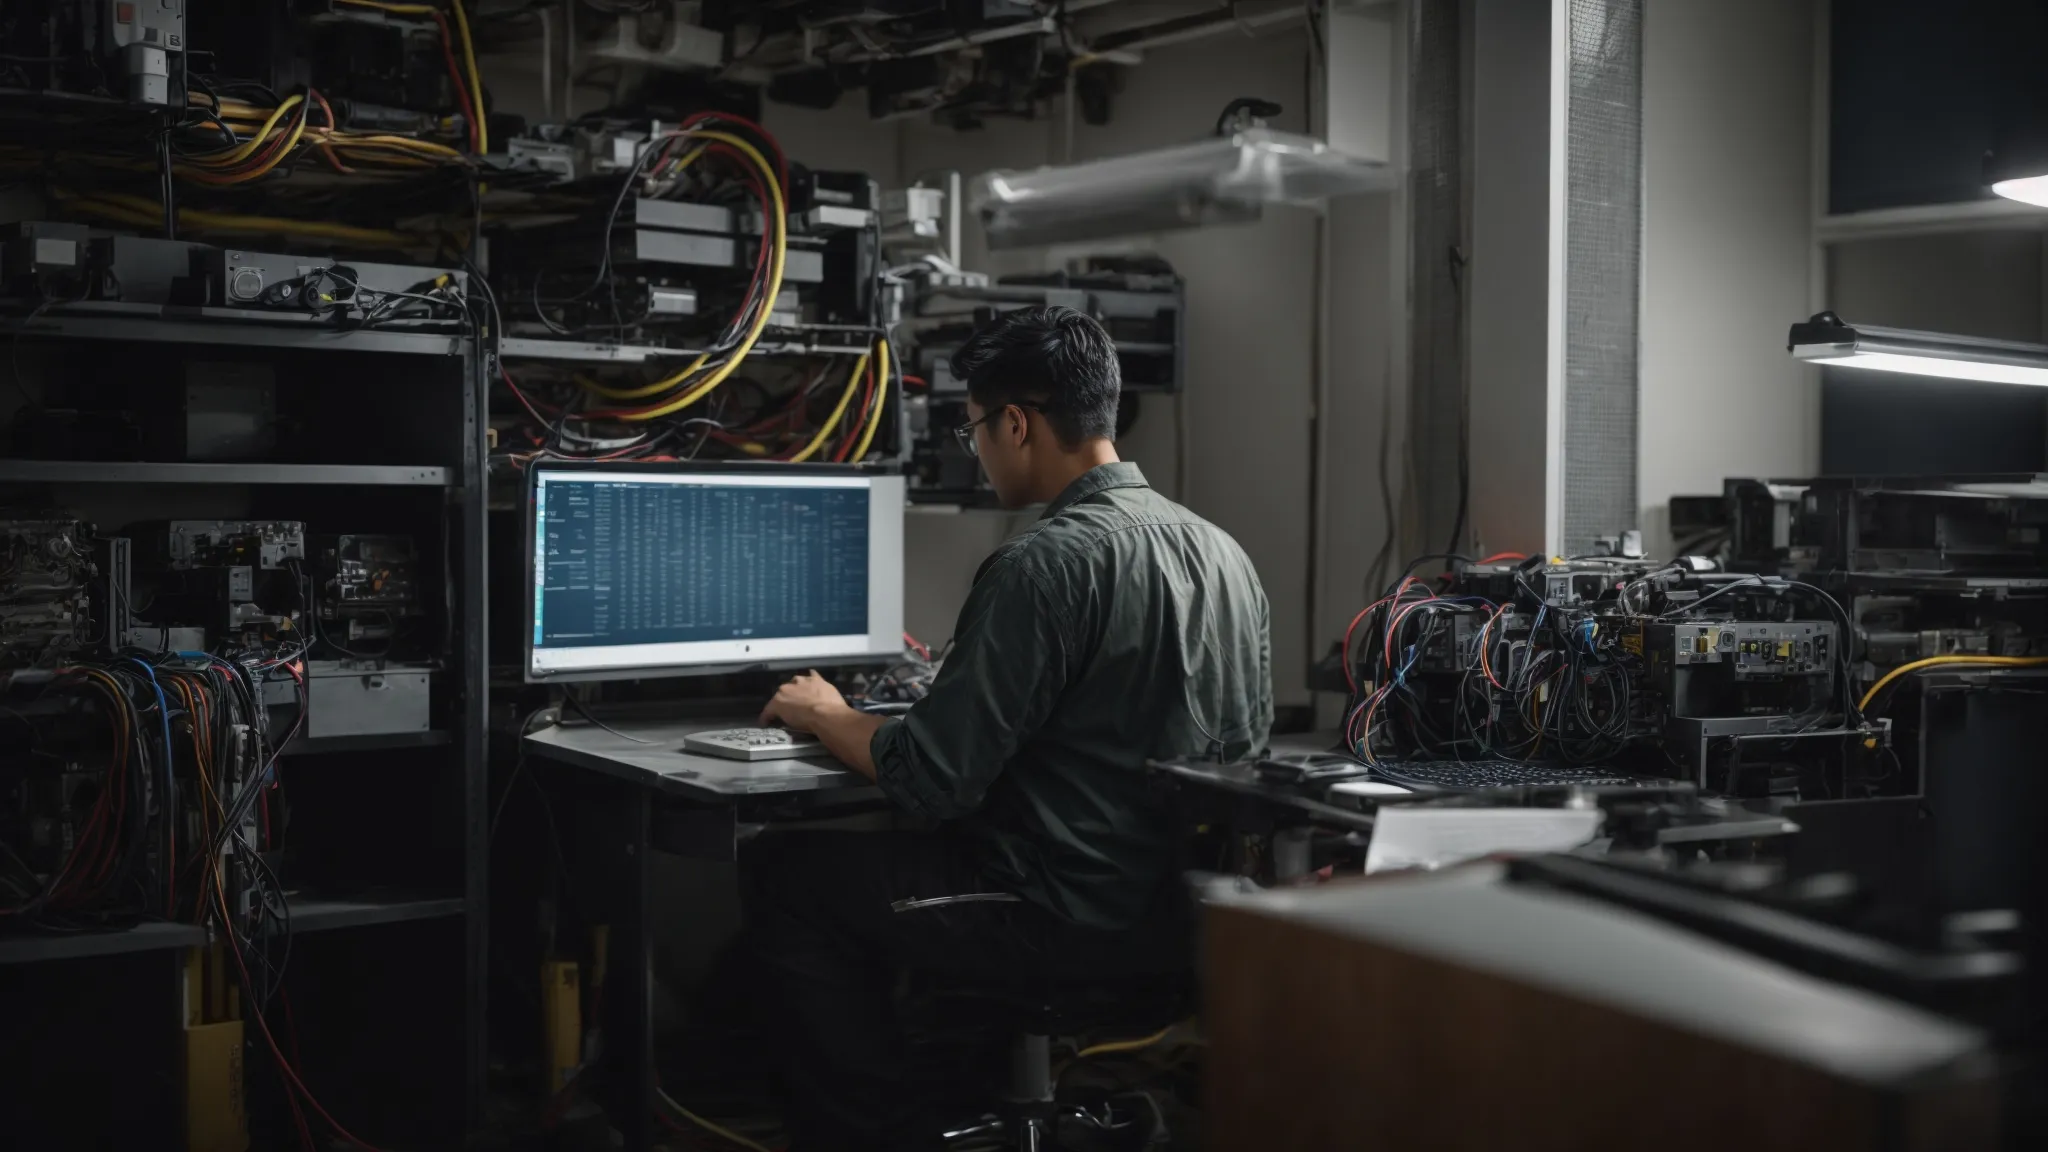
column 1101, row 478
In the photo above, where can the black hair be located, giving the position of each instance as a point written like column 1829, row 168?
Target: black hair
column 1054, row 359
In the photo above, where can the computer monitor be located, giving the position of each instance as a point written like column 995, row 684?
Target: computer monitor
column 689, row 569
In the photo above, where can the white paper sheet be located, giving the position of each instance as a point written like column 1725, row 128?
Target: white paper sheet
column 1404, row 836
column 1369, row 788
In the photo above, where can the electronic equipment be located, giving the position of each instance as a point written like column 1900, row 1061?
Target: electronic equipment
column 357, row 290
column 53, row 263
column 1733, row 680
column 1141, row 303
column 240, row 580
column 367, row 588
column 754, row 744
column 669, row 260
column 381, row 68
column 40, row 259
column 1934, row 526
column 1927, row 567
column 131, row 51
column 360, row 697
column 674, row 570
column 1475, row 775
column 46, row 584
column 1702, row 669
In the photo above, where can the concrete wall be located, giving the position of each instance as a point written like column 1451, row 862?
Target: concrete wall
column 1251, row 303
column 1727, row 237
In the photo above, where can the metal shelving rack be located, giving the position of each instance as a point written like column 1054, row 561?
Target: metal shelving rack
column 460, row 742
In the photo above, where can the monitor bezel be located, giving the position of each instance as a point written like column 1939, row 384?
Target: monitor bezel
column 531, row 528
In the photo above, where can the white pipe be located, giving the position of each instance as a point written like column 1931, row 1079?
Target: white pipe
column 953, row 184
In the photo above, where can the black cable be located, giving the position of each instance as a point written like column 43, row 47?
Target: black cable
column 1409, row 567
column 573, row 702
column 1723, row 590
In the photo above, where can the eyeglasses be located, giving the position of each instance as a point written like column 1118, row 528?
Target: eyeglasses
column 965, row 432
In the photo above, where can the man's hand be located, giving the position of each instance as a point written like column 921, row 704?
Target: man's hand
column 809, row 703
column 806, row 703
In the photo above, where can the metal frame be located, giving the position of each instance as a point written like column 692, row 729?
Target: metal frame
column 125, row 472
column 464, row 499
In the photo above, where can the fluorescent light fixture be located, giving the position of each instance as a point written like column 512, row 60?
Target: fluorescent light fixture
column 1825, row 339
column 1225, row 180
column 2025, row 189
column 2017, row 167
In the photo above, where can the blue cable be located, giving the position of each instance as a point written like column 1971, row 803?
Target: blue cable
column 163, row 713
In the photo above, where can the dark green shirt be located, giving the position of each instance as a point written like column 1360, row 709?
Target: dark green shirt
column 1113, row 631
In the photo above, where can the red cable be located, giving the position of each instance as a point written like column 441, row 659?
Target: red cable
column 284, row 1065
column 753, row 287
column 767, row 137
column 867, row 397
column 1499, row 556
column 455, row 74
column 531, row 410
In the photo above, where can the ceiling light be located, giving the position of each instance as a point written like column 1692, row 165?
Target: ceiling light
column 2017, row 166
column 2025, row 189
column 1826, row 340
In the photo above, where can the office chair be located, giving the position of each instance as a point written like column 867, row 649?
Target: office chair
column 1036, row 1012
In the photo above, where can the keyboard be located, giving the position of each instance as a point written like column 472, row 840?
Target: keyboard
column 1473, row 775
column 753, row 744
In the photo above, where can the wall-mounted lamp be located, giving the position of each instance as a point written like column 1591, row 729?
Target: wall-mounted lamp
column 1826, row 340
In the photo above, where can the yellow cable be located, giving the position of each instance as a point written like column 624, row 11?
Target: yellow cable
column 645, row 390
column 476, row 84
column 476, row 87
column 708, row 1126
column 283, row 154
column 825, row 433
column 1114, row 1046
column 136, row 209
column 881, row 401
column 779, row 234
column 1932, row 661
column 246, row 148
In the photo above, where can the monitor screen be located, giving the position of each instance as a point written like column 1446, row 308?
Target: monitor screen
column 676, row 570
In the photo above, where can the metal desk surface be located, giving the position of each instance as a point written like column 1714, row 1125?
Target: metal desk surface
column 1331, row 803
column 661, row 764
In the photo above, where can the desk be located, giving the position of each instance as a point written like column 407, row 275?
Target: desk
column 1238, row 793
column 641, row 791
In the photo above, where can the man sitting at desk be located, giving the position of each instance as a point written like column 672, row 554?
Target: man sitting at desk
column 1120, row 627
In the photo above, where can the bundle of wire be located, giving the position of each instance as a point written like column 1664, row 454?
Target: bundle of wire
column 106, row 874
column 812, row 422
column 1562, row 690
column 219, row 142
column 183, row 807
column 653, row 420
column 186, row 743
column 1562, row 686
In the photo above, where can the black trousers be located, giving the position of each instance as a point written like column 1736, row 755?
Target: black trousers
column 828, row 947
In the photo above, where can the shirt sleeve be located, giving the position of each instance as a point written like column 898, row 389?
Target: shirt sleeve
column 1008, row 665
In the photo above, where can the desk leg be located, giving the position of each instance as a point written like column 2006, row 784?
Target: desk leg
column 631, row 982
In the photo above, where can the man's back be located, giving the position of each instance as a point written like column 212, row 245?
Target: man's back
column 1119, row 628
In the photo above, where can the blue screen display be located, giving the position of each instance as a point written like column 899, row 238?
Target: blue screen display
column 669, row 560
